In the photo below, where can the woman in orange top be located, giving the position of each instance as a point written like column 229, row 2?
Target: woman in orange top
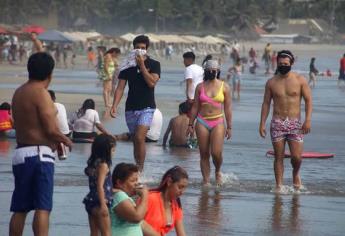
column 164, row 210
column 6, row 121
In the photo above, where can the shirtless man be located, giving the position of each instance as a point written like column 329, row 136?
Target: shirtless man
column 34, row 117
column 36, row 43
column 178, row 126
column 286, row 89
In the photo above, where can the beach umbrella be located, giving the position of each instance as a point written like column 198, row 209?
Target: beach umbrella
column 33, row 28
column 3, row 30
column 55, row 36
column 82, row 36
column 214, row 40
column 128, row 37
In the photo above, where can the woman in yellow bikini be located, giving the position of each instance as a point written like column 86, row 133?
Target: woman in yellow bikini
column 107, row 75
column 211, row 98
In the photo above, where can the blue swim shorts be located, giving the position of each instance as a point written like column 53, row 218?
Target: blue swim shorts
column 139, row 117
column 33, row 170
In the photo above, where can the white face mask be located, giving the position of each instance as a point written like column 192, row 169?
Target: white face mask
column 141, row 52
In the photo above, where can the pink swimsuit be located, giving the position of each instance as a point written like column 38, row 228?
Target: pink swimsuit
column 210, row 122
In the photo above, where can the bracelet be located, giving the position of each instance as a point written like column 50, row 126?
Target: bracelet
column 228, row 128
column 190, row 125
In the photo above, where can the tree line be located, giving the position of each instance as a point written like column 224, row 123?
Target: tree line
column 116, row 16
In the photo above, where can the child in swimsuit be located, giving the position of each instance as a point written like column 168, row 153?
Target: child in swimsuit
column 99, row 198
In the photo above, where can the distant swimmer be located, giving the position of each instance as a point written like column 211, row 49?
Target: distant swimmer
column 341, row 77
column 37, row 45
column 267, row 58
column 235, row 73
column 286, row 89
column 211, row 97
column 313, row 72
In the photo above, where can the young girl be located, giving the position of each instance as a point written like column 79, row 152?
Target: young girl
column 164, row 210
column 98, row 200
column 125, row 215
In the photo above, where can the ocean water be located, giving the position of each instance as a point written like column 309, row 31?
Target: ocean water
column 245, row 204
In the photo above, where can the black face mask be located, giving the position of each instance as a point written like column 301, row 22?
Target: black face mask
column 210, row 75
column 283, row 70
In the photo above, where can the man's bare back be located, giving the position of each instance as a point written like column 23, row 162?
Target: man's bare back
column 33, row 113
column 34, row 116
column 179, row 125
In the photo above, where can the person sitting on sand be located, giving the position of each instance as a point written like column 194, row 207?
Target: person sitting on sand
column 177, row 127
column 85, row 120
column 125, row 214
column 164, row 211
column 6, row 121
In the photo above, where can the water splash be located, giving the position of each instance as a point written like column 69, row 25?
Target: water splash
column 229, row 179
column 289, row 190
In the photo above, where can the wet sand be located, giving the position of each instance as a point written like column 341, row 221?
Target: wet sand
column 245, row 205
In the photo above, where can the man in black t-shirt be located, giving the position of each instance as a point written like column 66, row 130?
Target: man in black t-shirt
column 140, row 104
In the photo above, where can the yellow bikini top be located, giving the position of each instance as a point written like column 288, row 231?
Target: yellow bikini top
column 220, row 95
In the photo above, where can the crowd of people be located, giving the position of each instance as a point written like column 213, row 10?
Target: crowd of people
column 16, row 51
column 117, row 203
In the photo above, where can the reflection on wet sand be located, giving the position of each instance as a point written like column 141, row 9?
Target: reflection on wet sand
column 210, row 213
column 4, row 148
column 281, row 220
column 83, row 149
column 180, row 152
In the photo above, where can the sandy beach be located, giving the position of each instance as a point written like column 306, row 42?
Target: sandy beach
column 246, row 204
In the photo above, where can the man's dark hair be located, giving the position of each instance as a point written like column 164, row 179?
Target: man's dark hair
column 112, row 50
column 184, row 108
column 286, row 54
column 5, row 106
column 52, row 95
column 142, row 39
column 117, row 50
column 190, row 55
column 40, row 66
column 102, row 48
